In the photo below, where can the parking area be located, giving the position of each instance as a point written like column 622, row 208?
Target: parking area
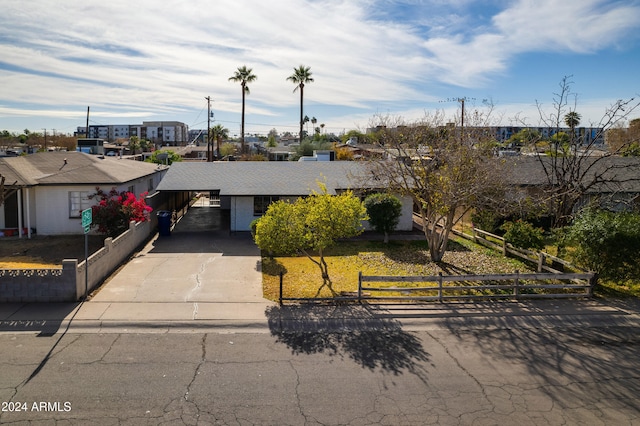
column 201, row 261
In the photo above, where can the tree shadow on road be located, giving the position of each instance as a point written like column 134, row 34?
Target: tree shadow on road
column 586, row 365
column 357, row 332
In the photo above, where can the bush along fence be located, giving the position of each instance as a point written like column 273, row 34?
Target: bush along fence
column 547, row 282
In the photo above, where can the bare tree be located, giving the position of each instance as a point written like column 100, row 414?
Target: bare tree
column 445, row 176
column 571, row 167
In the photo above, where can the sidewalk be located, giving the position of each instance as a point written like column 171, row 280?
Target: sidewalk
column 167, row 317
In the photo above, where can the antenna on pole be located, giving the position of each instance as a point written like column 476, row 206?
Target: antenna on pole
column 462, row 101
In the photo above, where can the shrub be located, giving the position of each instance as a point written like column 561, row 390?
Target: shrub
column 607, row 243
column 384, row 212
column 486, row 220
column 115, row 210
column 523, row 234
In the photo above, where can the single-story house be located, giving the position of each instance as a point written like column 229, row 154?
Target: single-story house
column 52, row 188
column 612, row 182
column 247, row 188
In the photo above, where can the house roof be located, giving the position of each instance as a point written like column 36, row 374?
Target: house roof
column 247, row 178
column 72, row 168
column 619, row 174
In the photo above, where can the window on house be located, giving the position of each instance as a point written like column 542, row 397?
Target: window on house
column 78, row 201
column 260, row 203
column 132, row 189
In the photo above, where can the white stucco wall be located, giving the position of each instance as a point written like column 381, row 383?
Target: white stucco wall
column 50, row 205
column 242, row 214
column 406, row 219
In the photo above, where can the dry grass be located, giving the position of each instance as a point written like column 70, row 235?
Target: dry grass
column 302, row 277
column 44, row 251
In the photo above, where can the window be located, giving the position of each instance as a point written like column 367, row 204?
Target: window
column 132, row 189
column 78, row 201
column 260, row 203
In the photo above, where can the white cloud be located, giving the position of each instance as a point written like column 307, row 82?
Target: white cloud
column 145, row 56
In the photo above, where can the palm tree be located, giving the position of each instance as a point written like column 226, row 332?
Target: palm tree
column 572, row 119
column 243, row 75
column 219, row 132
column 300, row 77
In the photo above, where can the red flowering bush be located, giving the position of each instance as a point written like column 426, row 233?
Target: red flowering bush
column 116, row 209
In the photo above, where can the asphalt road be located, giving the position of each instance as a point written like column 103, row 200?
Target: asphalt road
column 384, row 375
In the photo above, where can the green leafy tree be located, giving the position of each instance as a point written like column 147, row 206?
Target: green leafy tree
column 145, row 145
column 300, row 77
column 525, row 138
column 607, row 243
column 306, row 148
column 227, row 149
column 271, row 142
column 311, row 225
column 384, row 212
column 116, row 209
column 134, row 144
column 164, row 157
column 243, row 75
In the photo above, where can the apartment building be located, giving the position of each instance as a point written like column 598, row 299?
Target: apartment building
column 161, row 133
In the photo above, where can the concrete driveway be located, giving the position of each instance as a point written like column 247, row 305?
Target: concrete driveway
column 201, row 266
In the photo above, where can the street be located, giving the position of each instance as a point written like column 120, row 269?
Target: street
column 376, row 373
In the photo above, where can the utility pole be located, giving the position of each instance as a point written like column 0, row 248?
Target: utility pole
column 86, row 135
column 462, row 101
column 45, row 140
column 209, row 156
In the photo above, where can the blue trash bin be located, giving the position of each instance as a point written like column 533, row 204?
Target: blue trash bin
column 164, row 223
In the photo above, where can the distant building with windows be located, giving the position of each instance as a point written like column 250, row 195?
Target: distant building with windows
column 160, row 133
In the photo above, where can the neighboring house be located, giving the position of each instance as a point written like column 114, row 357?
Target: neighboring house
column 247, row 188
column 617, row 179
column 53, row 188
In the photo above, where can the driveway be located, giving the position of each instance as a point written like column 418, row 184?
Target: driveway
column 201, row 262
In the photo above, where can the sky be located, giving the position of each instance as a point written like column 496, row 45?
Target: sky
column 143, row 60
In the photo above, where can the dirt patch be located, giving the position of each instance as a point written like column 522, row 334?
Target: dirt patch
column 45, row 251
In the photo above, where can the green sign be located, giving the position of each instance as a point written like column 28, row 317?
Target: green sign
column 86, row 219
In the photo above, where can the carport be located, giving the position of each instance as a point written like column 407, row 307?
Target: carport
column 246, row 188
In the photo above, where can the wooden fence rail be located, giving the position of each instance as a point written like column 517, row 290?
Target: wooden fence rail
column 516, row 285
column 540, row 258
